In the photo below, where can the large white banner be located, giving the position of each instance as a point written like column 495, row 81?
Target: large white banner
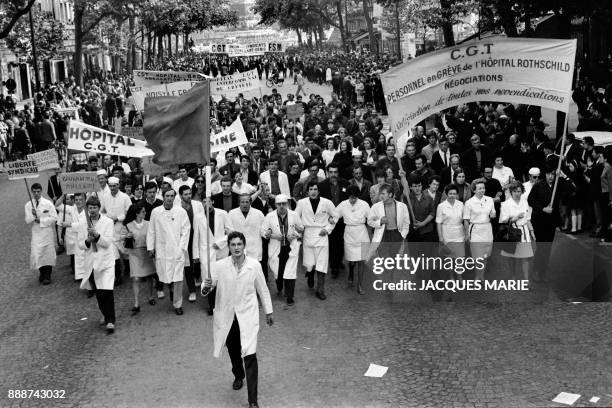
column 232, row 136
column 234, row 84
column 173, row 89
column 88, row 138
column 517, row 70
column 151, row 78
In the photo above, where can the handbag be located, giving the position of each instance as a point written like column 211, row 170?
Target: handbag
column 128, row 243
column 508, row 235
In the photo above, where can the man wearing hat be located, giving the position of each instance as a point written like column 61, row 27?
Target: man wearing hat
column 103, row 180
column 282, row 227
column 534, row 176
column 115, row 206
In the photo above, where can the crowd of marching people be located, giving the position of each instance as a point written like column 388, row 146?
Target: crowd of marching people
column 320, row 187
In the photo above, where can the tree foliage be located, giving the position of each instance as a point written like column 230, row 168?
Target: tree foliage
column 10, row 13
column 49, row 36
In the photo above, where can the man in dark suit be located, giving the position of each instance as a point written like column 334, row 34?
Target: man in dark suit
column 441, row 158
column 248, row 175
column 545, row 219
column 231, row 167
column 46, row 132
column 334, row 189
column 258, row 164
column 476, row 158
column 226, row 200
column 447, row 174
column 361, row 183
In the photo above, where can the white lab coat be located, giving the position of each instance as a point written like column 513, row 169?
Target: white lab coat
column 377, row 212
column 313, row 223
column 274, row 247
column 101, row 262
column 70, row 235
column 168, row 236
column 248, row 226
column 237, row 295
column 42, row 245
column 200, row 229
column 116, row 206
column 283, row 181
column 79, row 254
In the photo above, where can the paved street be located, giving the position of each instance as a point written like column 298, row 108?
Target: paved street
column 517, row 350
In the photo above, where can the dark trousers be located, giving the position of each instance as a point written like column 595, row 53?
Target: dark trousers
column 288, row 284
column 545, row 233
column 264, row 257
column 45, row 272
column 211, row 298
column 159, row 286
column 190, row 276
column 234, row 349
column 336, row 246
column 72, row 263
column 106, row 301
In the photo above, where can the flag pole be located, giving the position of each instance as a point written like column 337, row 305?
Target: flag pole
column 28, row 190
column 561, row 156
column 206, row 154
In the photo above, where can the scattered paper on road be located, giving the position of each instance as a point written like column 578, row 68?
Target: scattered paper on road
column 307, row 348
column 376, row 370
column 594, row 400
column 566, row 398
column 84, row 318
column 45, row 367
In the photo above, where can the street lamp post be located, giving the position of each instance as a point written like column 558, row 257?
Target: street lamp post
column 36, row 73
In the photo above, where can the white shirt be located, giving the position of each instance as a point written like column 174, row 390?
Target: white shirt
column 528, row 185
column 304, row 173
column 450, row 214
column 478, row 211
column 503, row 175
column 115, row 206
column 178, row 183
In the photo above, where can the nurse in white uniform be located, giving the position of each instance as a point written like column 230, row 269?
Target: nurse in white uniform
column 449, row 219
column 516, row 212
column 356, row 238
column 477, row 214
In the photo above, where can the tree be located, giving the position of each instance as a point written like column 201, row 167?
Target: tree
column 49, row 36
column 10, row 13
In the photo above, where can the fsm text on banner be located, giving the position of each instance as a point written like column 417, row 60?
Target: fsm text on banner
column 232, row 136
column 21, row 169
column 86, row 138
column 514, row 70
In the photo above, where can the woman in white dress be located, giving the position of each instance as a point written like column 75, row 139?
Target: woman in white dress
column 142, row 266
column 356, row 239
column 449, row 219
column 516, row 212
column 477, row 214
column 330, row 151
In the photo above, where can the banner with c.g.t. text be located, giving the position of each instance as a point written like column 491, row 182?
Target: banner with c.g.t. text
column 517, row 70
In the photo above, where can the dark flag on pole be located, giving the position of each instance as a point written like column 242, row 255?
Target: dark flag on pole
column 176, row 128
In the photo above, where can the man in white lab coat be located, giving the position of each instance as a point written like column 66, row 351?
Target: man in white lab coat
column 96, row 240
column 41, row 213
column 217, row 230
column 283, row 228
column 275, row 179
column 318, row 216
column 239, row 280
column 115, row 206
column 167, row 240
column 248, row 221
column 194, row 209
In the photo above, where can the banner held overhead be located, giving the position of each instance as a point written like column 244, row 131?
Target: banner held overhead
column 516, row 70
column 232, row 136
column 151, row 78
column 86, row 138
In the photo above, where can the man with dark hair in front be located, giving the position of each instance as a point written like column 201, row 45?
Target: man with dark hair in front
column 41, row 213
column 238, row 280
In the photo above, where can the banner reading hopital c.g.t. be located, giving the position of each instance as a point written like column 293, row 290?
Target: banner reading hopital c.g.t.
column 88, row 138
column 517, row 70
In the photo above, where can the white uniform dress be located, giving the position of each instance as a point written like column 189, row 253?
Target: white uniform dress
column 42, row 245
column 237, row 296
column 509, row 209
column 274, row 246
column 116, row 206
column 316, row 247
column 141, row 264
column 168, row 236
column 453, row 233
column 356, row 238
column 200, row 229
column 100, row 262
column 477, row 212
